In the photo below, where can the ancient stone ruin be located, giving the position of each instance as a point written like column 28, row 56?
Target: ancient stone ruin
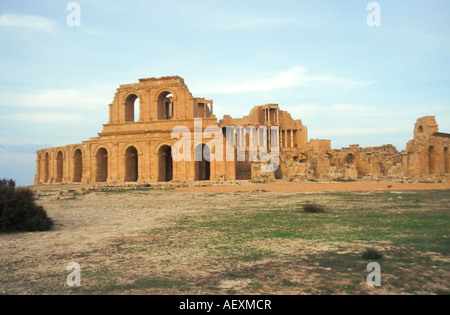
column 139, row 148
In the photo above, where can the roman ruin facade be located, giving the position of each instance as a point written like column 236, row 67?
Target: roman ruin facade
column 137, row 145
column 427, row 153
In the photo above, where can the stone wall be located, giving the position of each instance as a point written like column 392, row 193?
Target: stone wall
column 427, row 154
column 136, row 145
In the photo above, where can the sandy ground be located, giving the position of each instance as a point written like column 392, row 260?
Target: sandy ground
column 313, row 187
column 90, row 229
column 86, row 231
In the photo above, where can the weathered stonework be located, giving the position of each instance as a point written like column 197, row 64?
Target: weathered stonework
column 427, row 153
column 139, row 149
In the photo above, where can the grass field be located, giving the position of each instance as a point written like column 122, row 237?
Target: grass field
column 164, row 242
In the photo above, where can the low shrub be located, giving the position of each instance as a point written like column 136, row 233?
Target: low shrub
column 372, row 254
column 313, row 208
column 8, row 182
column 19, row 211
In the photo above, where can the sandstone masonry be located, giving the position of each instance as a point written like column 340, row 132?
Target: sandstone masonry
column 138, row 149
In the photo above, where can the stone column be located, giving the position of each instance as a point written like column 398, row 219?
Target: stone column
column 292, row 138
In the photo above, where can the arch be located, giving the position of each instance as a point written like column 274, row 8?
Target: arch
column 132, row 108
column 446, row 161
column 420, row 129
column 202, row 157
column 431, row 160
column 77, row 166
column 136, row 145
column 165, row 164
column 330, row 157
column 131, row 164
column 350, row 159
column 59, row 167
column 102, row 165
column 166, row 102
column 303, row 158
column 46, row 167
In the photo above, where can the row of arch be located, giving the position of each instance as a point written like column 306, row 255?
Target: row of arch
column 433, row 157
column 77, row 162
column 132, row 160
column 437, row 161
column 165, row 108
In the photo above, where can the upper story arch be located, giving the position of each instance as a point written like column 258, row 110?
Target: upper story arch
column 132, row 107
column 152, row 100
column 166, row 102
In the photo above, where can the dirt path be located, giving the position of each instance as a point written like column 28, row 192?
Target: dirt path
column 315, row 187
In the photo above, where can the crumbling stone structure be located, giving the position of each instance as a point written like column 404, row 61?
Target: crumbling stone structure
column 137, row 144
column 427, row 153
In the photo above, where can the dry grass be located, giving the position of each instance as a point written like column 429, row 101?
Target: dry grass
column 166, row 242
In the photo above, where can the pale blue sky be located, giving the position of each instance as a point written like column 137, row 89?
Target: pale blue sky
column 319, row 60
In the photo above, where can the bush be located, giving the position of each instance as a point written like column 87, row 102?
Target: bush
column 314, row 208
column 19, row 212
column 7, row 182
column 372, row 254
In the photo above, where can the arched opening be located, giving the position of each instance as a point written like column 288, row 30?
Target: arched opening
column 432, row 160
column 204, row 109
column 77, row 166
column 202, row 162
column 350, row 159
column 59, row 167
column 102, row 165
column 46, row 167
column 132, row 108
column 330, row 159
column 420, row 129
column 446, row 161
column 165, row 106
column 303, row 158
column 165, row 164
column 131, row 165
